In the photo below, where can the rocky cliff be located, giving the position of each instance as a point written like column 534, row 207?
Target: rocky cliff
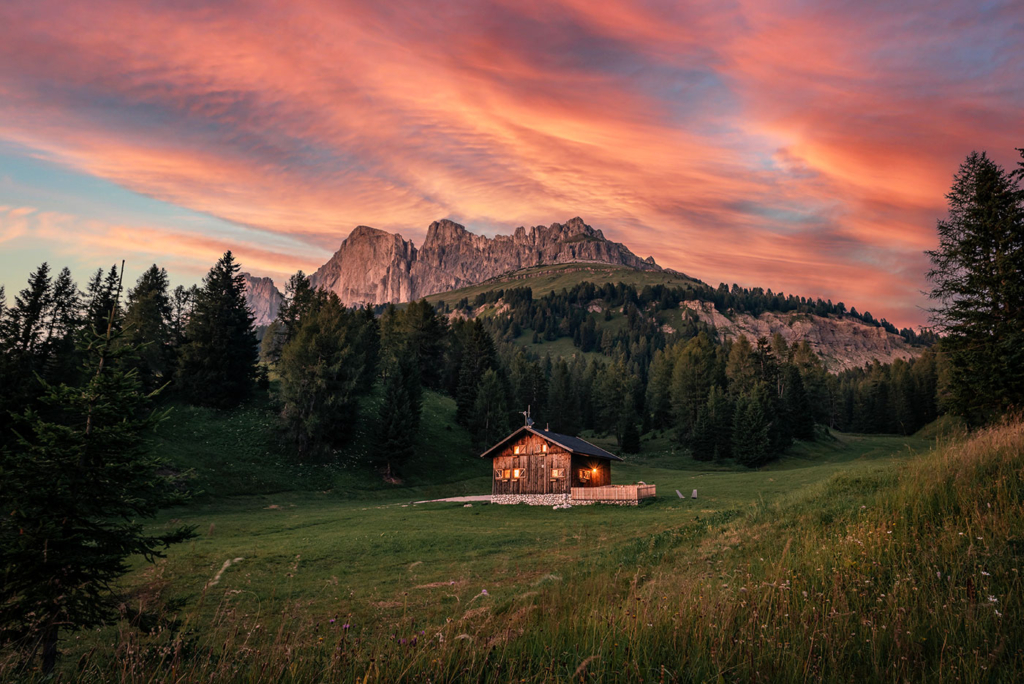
column 374, row 267
column 263, row 298
column 841, row 342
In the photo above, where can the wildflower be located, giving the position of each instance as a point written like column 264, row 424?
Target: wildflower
column 993, row 599
column 483, row 592
column 345, row 626
column 985, row 574
column 331, row 621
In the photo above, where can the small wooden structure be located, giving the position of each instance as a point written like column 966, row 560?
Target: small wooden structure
column 543, row 467
column 618, row 493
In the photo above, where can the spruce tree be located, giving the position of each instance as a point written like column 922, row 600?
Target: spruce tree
column 977, row 276
column 491, row 413
column 397, row 416
column 147, row 323
column 720, row 412
column 217, row 365
column 320, row 370
column 798, row 407
column 74, row 488
column 752, row 443
column 702, row 438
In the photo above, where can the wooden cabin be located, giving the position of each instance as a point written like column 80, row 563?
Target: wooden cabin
column 542, row 467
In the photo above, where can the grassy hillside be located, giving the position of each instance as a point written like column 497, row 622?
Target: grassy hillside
column 546, row 279
column 241, row 452
column 857, row 558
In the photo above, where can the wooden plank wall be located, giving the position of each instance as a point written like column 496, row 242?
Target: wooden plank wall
column 538, row 467
column 602, row 477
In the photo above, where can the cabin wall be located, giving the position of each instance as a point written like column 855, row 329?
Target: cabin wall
column 602, row 477
column 538, row 466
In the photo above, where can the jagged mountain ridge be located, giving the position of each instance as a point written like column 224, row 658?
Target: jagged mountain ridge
column 263, row 298
column 376, row 267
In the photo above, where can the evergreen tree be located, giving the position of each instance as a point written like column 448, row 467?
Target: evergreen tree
column 320, row 369
column 478, row 356
column 740, row 368
column 490, row 417
column 798, row 408
column 978, row 283
column 659, row 389
column 702, row 441
column 217, row 364
column 563, row 407
column 751, row 444
column 696, row 370
column 147, row 322
column 720, row 413
column 397, row 415
column 182, row 302
column 102, row 295
column 74, row 488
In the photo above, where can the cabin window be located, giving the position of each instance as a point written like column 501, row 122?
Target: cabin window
column 557, row 473
column 518, row 473
column 584, row 475
column 516, row 450
column 502, row 474
column 544, row 448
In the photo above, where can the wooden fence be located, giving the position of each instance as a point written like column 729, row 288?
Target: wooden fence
column 614, row 493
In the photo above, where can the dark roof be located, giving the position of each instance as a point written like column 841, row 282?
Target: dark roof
column 574, row 445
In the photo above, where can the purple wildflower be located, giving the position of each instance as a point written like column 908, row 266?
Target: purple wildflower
column 484, row 592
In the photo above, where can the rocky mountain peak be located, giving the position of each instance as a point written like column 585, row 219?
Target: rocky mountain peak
column 374, row 266
column 263, row 298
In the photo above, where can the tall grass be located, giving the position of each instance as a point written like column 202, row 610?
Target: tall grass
column 896, row 574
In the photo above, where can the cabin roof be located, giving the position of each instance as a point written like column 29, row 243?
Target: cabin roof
column 573, row 445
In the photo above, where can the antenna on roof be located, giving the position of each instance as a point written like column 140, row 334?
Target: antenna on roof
column 526, row 414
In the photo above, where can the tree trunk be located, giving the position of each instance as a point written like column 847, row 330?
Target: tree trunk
column 50, row 649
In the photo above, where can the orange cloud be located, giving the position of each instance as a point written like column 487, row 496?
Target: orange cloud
column 804, row 147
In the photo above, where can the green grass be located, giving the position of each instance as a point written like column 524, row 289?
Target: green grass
column 242, row 452
column 546, row 279
column 857, row 558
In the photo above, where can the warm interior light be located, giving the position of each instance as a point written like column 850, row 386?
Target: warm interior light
column 595, row 470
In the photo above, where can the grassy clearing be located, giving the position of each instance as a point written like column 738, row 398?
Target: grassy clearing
column 856, row 558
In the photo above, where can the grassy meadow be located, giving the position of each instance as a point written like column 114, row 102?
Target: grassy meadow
column 855, row 558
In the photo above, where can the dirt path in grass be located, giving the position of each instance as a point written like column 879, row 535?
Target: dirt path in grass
column 458, row 499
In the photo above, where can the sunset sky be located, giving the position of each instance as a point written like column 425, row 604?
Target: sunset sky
column 801, row 146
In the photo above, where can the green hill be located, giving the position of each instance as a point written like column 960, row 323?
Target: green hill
column 546, row 279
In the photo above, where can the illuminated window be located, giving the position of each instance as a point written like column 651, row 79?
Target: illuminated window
column 518, row 473
column 544, row 448
column 506, row 474
column 515, row 450
column 585, row 475
column 557, row 473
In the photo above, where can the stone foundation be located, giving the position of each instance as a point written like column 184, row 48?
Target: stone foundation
column 531, row 499
column 551, row 500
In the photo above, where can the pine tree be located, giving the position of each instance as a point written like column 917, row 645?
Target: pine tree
column 696, row 370
column 217, row 365
column 74, row 489
column 740, row 368
column 147, row 322
column 978, row 283
column 702, row 438
column 490, row 418
column 752, row 443
column 478, row 356
column 320, row 372
column 720, row 412
column 395, row 436
column 798, row 408
column 102, row 295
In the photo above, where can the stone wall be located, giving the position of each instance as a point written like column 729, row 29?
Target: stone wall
column 531, row 499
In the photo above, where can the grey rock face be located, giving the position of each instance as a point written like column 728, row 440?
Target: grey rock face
column 263, row 298
column 375, row 267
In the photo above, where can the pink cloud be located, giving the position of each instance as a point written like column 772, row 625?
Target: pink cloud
column 801, row 147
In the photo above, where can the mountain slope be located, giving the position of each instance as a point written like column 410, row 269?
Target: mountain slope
column 375, row 267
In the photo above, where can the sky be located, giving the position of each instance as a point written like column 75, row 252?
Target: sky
column 801, row 146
